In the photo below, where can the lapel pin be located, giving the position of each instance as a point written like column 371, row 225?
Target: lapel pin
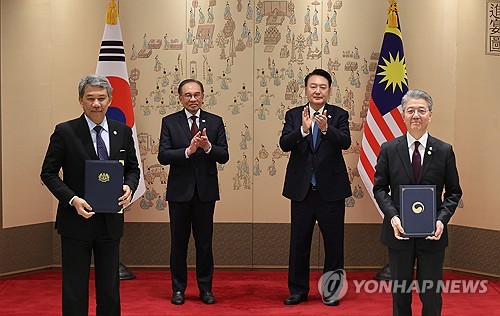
column 329, row 116
column 114, row 132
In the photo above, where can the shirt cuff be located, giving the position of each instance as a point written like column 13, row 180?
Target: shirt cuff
column 304, row 134
column 209, row 150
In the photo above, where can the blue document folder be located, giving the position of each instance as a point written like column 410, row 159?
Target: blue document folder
column 103, row 185
column 418, row 210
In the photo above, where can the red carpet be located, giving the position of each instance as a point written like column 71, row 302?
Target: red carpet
column 237, row 293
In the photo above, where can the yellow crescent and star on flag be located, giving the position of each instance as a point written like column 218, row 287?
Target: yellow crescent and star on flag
column 384, row 121
column 394, row 70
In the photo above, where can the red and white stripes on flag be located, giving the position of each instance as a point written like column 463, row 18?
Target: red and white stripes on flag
column 112, row 65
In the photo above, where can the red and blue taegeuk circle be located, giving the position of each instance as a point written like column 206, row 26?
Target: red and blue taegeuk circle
column 121, row 108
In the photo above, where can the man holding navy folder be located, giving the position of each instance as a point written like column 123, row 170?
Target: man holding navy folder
column 86, row 229
column 416, row 158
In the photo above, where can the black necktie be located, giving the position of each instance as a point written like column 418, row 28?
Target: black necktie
column 102, row 152
column 416, row 162
column 194, row 127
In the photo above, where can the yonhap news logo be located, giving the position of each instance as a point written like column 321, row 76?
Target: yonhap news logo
column 433, row 286
column 333, row 285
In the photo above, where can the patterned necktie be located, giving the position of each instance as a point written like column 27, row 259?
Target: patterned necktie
column 416, row 162
column 102, row 152
column 315, row 132
column 194, row 127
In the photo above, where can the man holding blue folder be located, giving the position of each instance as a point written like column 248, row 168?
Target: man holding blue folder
column 84, row 228
column 416, row 158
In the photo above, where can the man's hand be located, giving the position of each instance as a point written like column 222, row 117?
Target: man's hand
column 82, row 206
column 125, row 199
column 306, row 120
column 193, row 146
column 398, row 229
column 321, row 121
column 204, row 142
column 439, row 231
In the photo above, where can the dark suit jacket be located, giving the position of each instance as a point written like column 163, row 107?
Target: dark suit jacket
column 200, row 169
column 394, row 169
column 70, row 145
column 326, row 159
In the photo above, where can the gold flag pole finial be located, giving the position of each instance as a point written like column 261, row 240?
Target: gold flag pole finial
column 112, row 13
column 392, row 13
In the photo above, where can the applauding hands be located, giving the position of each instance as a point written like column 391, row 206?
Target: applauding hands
column 200, row 140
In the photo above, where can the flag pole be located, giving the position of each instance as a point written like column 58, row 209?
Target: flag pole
column 384, row 121
column 384, row 274
column 113, row 66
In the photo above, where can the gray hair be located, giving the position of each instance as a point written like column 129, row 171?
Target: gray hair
column 416, row 94
column 94, row 80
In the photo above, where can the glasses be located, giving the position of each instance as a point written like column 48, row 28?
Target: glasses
column 420, row 111
column 188, row 96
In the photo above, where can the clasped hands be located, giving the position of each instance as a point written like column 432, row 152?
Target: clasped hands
column 200, row 140
column 307, row 120
column 85, row 210
column 398, row 229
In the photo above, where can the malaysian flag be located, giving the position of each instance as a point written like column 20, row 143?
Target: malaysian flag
column 384, row 121
column 112, row 65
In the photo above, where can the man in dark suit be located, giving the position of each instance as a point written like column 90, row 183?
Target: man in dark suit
column 316, row 181
column 192, row 142
column 433, row 162
column 82, row 228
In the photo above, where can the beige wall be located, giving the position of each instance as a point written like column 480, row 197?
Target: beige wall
column 46, row 48
column 48, row 45
column 26, row 107
column 477, row 120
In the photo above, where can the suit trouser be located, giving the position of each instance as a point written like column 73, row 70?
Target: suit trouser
column 199, row 216
column 304, row 214
column 429, row 271
column 76, row 258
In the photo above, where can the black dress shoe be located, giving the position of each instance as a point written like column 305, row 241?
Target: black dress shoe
column 332, row 303
column 125, row 273
column 207, row 297
column 177, row 298
column 384, row 273
column 295, row 299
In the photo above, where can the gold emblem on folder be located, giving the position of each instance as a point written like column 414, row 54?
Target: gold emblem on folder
column 103, row 177
column 417, row 207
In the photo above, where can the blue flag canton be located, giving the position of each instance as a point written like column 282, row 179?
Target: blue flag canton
column 391, row 81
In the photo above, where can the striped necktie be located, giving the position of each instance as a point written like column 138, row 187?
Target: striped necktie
column 102, row 152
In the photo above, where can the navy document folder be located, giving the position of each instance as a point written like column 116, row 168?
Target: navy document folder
column 103, row 185
column 418, row 210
